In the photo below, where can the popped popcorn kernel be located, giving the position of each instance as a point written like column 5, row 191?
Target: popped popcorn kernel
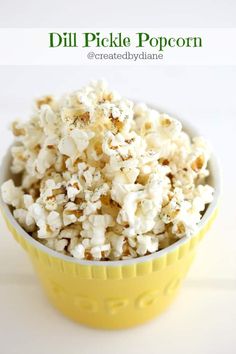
column 103, row 178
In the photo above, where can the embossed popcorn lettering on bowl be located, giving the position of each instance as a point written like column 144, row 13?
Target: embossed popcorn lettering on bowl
column 85, row 303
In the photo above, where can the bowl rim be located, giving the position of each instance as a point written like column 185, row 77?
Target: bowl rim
column 211, row 208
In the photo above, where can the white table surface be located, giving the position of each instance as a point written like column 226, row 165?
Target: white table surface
column 203, row 317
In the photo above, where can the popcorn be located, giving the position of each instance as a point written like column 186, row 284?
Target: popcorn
column 45, row 159
column 146, row 244
column 60, row 245
column 70, row 214
column 19, row 157
column 78, row 251
column 117, row 243
column 11, row 194
column 102, row 178
column 95, row 227
column 54, row 221
column 67, row 147
column 25, row 219
column 97, row 251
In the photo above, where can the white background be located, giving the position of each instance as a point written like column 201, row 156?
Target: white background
column 30, row 46
column 202, row 319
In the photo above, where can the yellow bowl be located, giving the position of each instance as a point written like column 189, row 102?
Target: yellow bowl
column 112, row 294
